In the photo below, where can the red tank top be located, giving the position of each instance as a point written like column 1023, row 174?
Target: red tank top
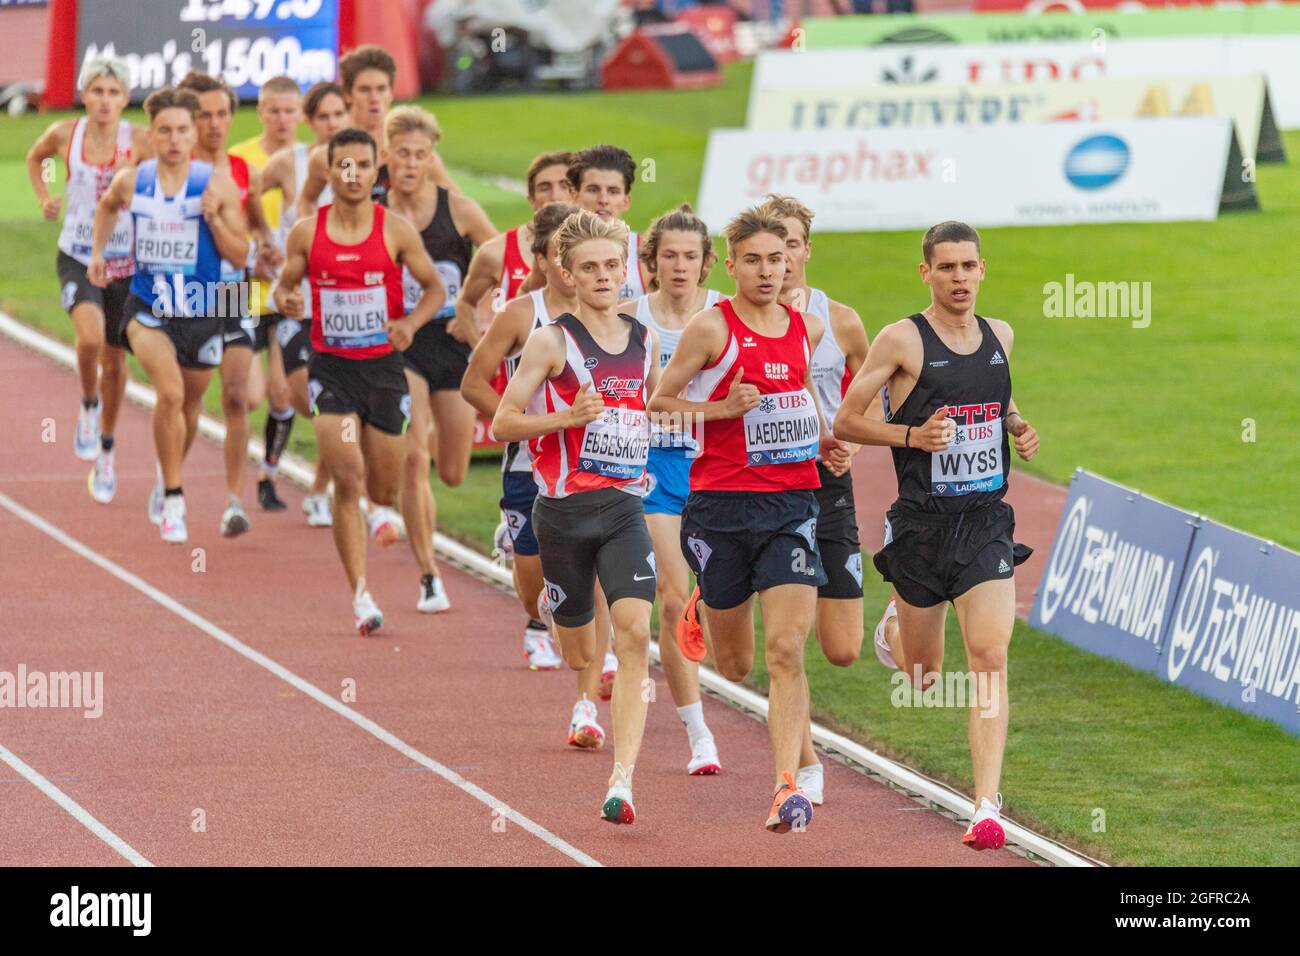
column 610, row 452
column 355, row 290
column 774, row 446
column 239, row 173
column 514, row 267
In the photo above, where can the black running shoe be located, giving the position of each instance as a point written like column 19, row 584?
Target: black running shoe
column 267, row 498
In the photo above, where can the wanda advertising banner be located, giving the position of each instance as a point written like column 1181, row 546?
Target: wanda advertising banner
column 1078, row 6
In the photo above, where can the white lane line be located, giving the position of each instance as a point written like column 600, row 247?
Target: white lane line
column 76, row 810
column 290, row 678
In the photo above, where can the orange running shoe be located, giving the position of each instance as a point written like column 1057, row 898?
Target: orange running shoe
column 690, row 635
column 791, row 808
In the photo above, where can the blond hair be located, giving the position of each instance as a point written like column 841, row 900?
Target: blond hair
column 412, row 119
column 583, row 226
column 681, row 219
column 278, row 84
column 787, row 207
column 752, row 222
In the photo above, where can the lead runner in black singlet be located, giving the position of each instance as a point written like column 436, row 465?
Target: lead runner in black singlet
column 948, row 538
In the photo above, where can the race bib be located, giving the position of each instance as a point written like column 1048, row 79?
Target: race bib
column 782, row 428
column 973, row 461
column 617, row 444
column 119, row 243
column 166, row 245
column 450, row 275
column 354, row 318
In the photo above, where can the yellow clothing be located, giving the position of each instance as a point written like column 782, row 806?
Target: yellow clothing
column 259, row 294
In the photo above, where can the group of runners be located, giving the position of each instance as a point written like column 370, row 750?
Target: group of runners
column 655, row 429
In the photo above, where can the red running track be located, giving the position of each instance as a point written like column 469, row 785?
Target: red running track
column 194, row 731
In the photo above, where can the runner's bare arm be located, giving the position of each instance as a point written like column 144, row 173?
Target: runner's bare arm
column 225, row 219
column 1025, row 435
column 534, row 282
column 141, row 145
column 542, row 358
column 116, row 198
column 833, row 452
column 267, row 257
column 287, row 294
column 53, row 142
column 505, row 335
column 408, row 250
column 470, row 220
column 318, row 174
column 484, row 268
column 278, row 174
column 887, row 355
column 851, row 336
column 702, row 342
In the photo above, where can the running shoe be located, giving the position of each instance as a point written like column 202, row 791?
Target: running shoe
column 86, row 440
column 791, row 808
column 607, row 673
column 319, row 511
column 584, row 732
column 812, row 781
column 704, row 758
column 883, row 653
column 617, row 807
column 102, row 481
column 433, row 596
column 266, row 496
column 234, row 521
column 172, row 525
column 985, row 831
column 156, row 497
column 366, row 616
column 539, row 651
column 690, row 635
column 383, row 526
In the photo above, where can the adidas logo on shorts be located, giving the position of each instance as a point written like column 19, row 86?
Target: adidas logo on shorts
column 1003, row 567
column 997, row 359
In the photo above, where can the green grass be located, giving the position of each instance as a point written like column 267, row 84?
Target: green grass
column 1180, row 780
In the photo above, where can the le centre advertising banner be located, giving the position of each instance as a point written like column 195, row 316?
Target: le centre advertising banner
column 1194, row 602
column 245, row 41
column 825, row 32
column 1277, row 57
column 879, row 106
column 1036, row 174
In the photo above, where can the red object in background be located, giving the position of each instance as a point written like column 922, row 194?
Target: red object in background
column 715, row 25
column 391, row 24
column 61, row 82
column 667, row 56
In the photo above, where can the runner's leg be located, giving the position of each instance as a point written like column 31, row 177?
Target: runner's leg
column 157, row 355
column 987, row 614
column 788, row 612
column 417, row 499
column 453, row 420
column 88, row 325
column 345, row 463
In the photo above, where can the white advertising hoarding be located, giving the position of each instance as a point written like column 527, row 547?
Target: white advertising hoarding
column 1244, row 98
column 1277, row 57
column 1039, row 174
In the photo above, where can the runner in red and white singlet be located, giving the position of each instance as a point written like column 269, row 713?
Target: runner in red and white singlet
column 750, row 523
column 353, row 253
column 579, row 398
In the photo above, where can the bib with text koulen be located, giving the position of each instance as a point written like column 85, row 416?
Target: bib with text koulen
column 617, row 444
column 972, row 462
column 782, row 428
column 166, row 245
column 354, row 318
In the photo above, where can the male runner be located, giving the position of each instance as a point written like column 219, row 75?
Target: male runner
column 94, row 146
column 353, row 252
column 450, row 226
column 187, row 218
column 279, row 110
column 584, row 379
column 837, row 359
column 948, row 412
column 749, row 525
column 677, row 254
column 326, row 113
column 217, row 105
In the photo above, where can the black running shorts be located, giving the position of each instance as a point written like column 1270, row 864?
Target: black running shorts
column 742, row 542
column 76, row 288
column 437, row 356
column 246, row 332
column 932, row 558
column 589, row 534
column 837, row 536
column 373, row 389
column 294, row 336
column 197, row 340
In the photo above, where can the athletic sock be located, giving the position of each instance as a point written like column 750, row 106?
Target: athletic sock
column 535, row 625
column 279, row 425
column 692, row 716
column 106, row 443
column 89, row 403
column 814, row 769
column 169, row 492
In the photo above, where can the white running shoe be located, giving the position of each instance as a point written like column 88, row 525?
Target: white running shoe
column 704, row 758
column 366, row 615
column 433, row 597
column 883, row 653
column 172, row 525
column 584, row 731
column 86, row 440
column 234, row 521
column 383, row 525
column 539, row 650
column 617, row 807
column 502, row 547
column 812, row 781
column 318, row 509
column 607, row 675
column 985, row 831
column 156, row 497
column 103, row 478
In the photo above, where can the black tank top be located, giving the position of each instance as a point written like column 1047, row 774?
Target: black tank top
column 379, row 191
column 449, row 250
column 977, row 390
